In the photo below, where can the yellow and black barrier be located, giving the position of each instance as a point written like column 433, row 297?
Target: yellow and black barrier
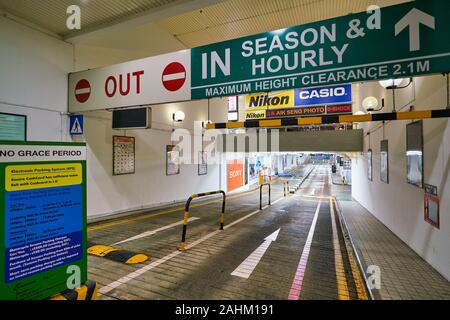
column 87, row 291
column 260, row 195
column 182, row 246
column 115, row 254
column 333, row 119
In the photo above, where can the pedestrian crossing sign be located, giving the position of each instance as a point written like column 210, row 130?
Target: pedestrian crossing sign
column 76, row 125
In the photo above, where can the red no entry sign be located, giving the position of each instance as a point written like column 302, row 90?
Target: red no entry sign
column 174, row 76
column 82, row 91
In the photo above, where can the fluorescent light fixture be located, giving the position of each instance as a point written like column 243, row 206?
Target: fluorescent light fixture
column 233, row 116
column 279, row 31
column 391, row 83
column 414, row 153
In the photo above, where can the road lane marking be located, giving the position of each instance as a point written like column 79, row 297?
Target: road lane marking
column 247, row 267
column 153, row 232
column 341, row 279
column 297, row 284
column 108, row 288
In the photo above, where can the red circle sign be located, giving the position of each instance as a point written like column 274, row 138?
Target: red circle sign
column 82, row 91
column 174, row 76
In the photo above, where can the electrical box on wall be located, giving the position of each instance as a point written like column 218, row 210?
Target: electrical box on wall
column 136, row 118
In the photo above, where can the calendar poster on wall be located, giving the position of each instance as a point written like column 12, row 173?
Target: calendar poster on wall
column 124, row 155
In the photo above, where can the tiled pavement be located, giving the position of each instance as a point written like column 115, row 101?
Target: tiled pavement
column 404, row 274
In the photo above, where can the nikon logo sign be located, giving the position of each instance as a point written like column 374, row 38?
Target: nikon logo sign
column 255, row 115
column 276, row 100
column 266, row 101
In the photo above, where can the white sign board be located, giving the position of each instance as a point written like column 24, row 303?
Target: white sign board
column 154, row 80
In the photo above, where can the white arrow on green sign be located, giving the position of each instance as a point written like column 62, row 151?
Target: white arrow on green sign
column 393, row 42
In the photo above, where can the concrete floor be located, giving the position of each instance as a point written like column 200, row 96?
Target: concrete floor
column 294, row 249
column 290, row 268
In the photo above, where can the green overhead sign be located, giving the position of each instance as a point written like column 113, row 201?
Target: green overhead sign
column 393, row 42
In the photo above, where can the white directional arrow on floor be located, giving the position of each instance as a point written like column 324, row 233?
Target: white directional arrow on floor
column 152, row 232
column 413, row 20
column 246, row 268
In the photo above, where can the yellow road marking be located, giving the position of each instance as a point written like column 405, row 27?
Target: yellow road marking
column 361, row 291
column 341, row 279
column 164, row 212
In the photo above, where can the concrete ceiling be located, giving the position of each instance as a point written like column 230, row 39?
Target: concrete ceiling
column 237, row 18
column 159, row 26
column 51, row 14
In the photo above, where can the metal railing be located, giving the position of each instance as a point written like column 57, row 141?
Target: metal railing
column 182, row 246
column 260, row 195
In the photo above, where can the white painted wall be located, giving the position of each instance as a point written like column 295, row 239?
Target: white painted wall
column 34, row 69
column 149, row 186
column 398, row 205
column 33, row 79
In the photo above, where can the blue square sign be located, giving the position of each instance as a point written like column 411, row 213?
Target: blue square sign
column 76, row 125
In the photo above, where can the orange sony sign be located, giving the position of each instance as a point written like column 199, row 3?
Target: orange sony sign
column 235, row 169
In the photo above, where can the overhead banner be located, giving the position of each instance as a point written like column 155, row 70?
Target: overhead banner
column 42, row 219
column 404, row 40
column 394, row 42
column 160, row 79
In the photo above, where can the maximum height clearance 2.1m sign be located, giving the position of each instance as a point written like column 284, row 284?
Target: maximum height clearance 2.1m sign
column 393, row 42
column 42, row 219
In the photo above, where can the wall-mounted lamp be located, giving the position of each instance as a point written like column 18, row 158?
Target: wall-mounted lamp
column 370, row 104
column 178, row 116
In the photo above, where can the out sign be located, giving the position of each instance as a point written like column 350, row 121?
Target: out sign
column 123, row 83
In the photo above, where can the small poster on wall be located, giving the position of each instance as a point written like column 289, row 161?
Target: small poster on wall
column 123, row 155
column 414, row 153
column 369, row 165
column 432, row 205
column 202, row 164
column 384, row 161
column 13, row 127
column 172, row 160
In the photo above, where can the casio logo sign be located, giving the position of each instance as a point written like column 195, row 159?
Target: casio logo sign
column 323, row 93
